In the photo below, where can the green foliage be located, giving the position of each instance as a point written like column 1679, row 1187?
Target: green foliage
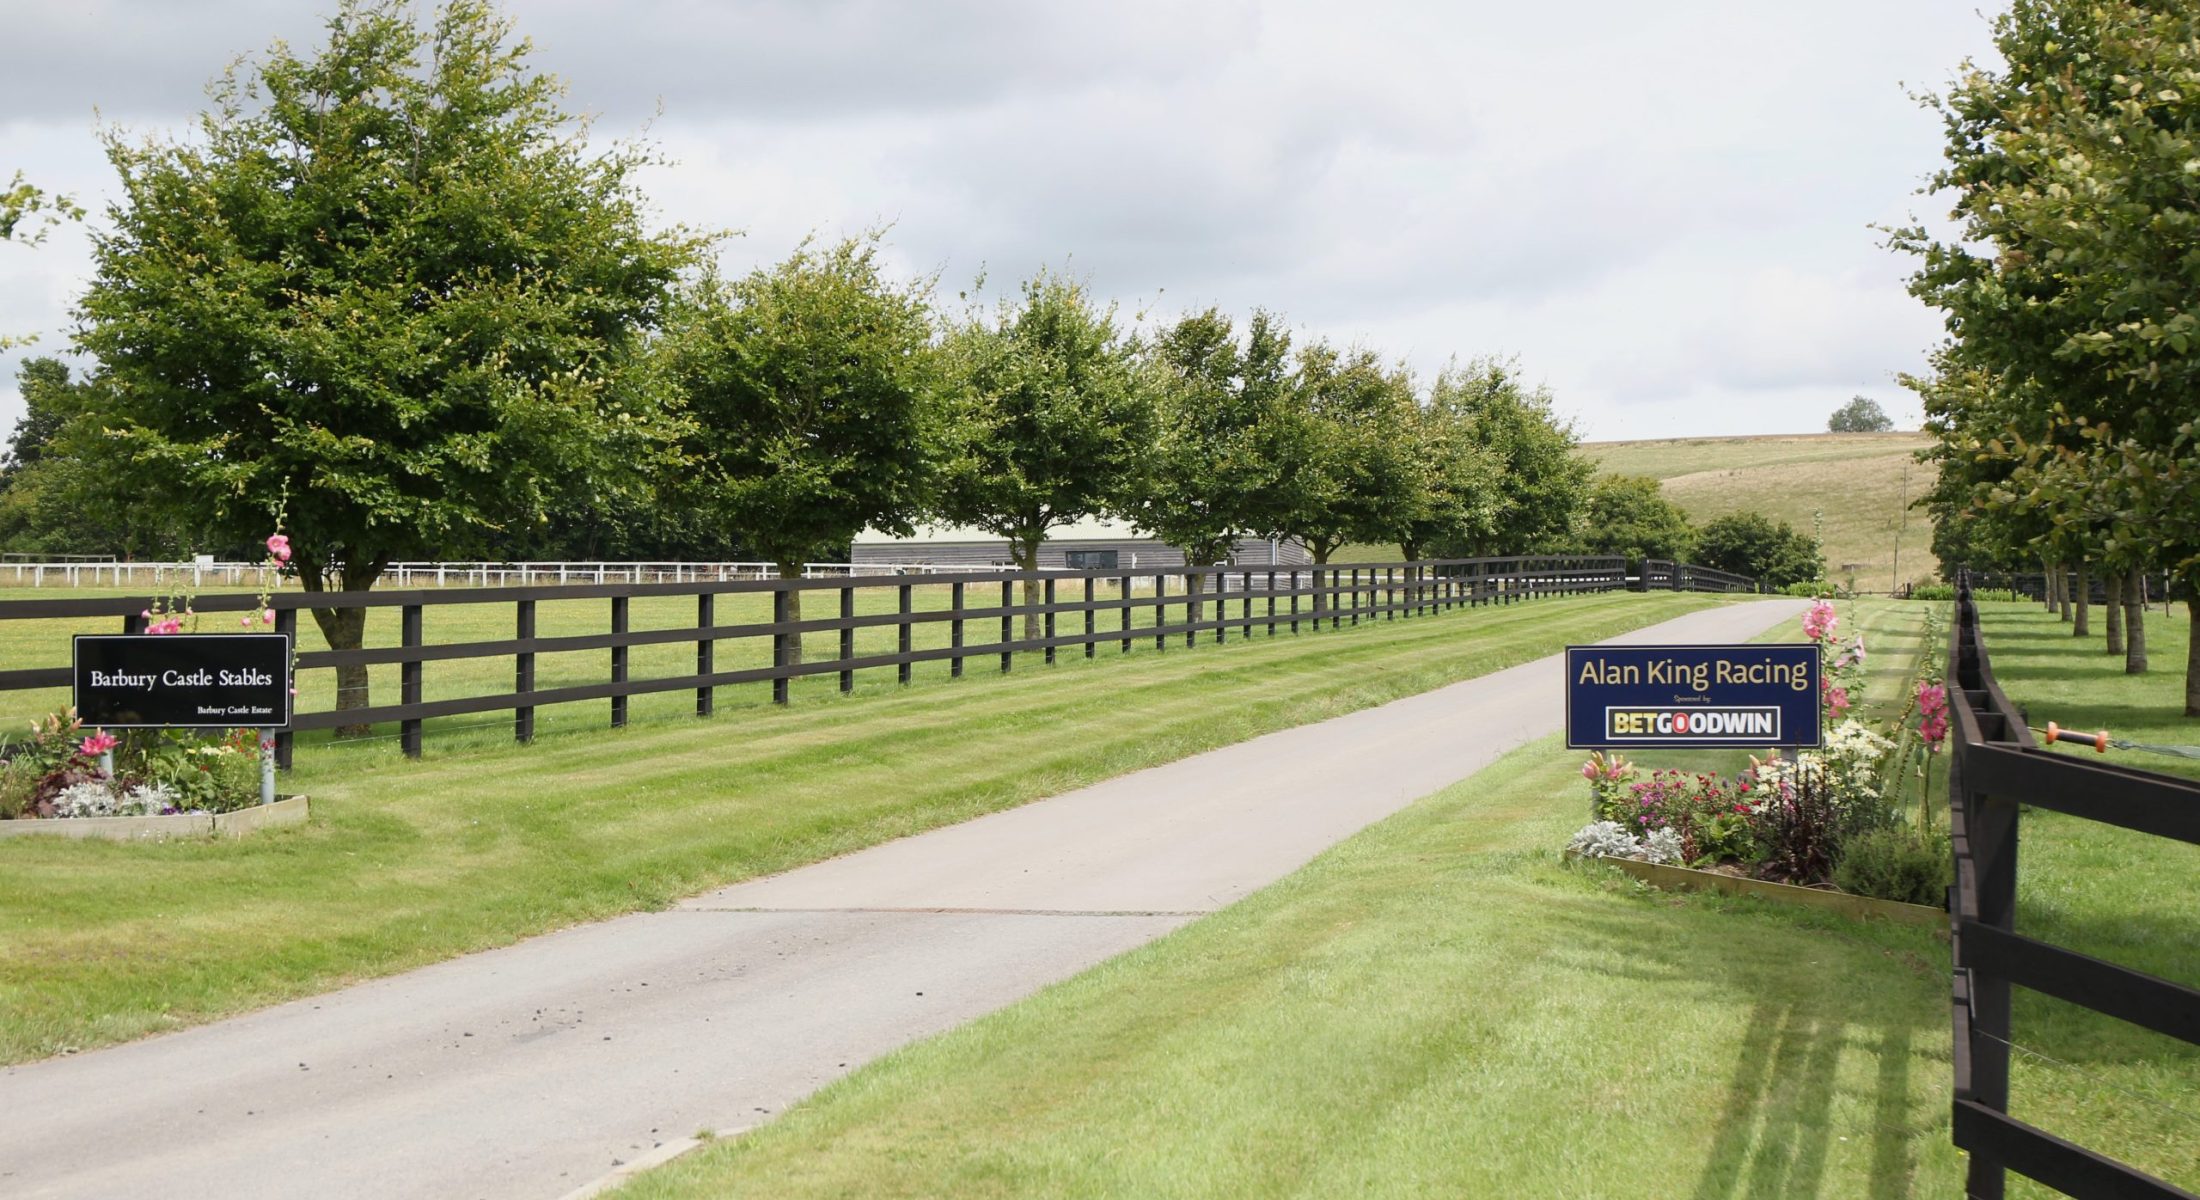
column 1222, row 412
column 1049, row 420
column 1896, row 862
column 1542, row 486
column 393, row 282
column 2069, row 400
column 1861, row 414
column 1352, row 474
column 209, row 774
column 1749, row 543
column 1629, row 515
column 1460, row 498
column 54, row 496
column 809, row 402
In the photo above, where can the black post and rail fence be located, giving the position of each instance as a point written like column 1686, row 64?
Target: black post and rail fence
column 1996, row 768
column 1170, row 605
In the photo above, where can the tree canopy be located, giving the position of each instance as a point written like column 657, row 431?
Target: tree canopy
column 1750, row 543
column 809, row 396
column 1861, row 414
column 2067, row 397
column 389, row 288
column 1049, row 420
column 1629, row 515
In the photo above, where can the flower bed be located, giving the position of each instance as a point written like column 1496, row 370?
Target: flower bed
column 60, row 773
column 1833, row 817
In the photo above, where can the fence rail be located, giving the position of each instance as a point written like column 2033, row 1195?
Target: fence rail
column 1119, row 608
column 1995, row 769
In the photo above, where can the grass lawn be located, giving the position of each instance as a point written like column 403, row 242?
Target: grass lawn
column 409, row 862
column 1439, row 1006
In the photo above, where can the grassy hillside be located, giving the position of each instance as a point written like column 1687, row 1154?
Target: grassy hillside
column 1854, row 479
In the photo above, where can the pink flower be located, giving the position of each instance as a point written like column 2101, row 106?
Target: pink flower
column 1589, row 771
column 1838, row 700
column 1820, row 622
column 279, row 546
column 267, row 617
column 99, row 743
column 244, row 622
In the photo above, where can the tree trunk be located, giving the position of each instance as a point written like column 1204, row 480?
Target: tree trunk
column 1193, row 583
column 1028, row 559
column 1320, row 553
column 2062, row 590
column 344, row 629
column 2082, row 625
column 793, row 570
column 2192, row 653
column 2113, row 581
column 2135, row 623
column 2047, row 584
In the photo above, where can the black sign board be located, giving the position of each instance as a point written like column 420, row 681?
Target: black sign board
column 1760, row 695
column 183, row 680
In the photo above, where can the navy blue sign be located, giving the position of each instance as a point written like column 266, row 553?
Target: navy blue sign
column 183, row 680
column 1700, row 696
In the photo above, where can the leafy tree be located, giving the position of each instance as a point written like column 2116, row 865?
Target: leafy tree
column 2072, row 277
column 1351, row 469
column 1460, row 495
column 1221, row 406
column 1050, row 419
column 1541, row 484
column 54, row 498
column 1749, row 543
column 1629, row 515
column 391, row 282
column 810, row 403
column 1861, row 414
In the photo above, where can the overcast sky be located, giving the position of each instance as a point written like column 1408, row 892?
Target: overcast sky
column 1664, row 210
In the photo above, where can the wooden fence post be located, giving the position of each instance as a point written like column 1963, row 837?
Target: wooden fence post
column 904, row 633
column 1049, row 601
column 523, row 672
column 1160, row 611
column 847, row 639
column 705, row 650
column 1123, row 593
column 408, row 677
column 955, row 631
column 1091, row 619
column 1008, row 622
column 618, row 660
column 286, row 622
column 782, row 645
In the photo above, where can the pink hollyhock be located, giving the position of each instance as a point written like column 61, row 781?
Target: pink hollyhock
column 1820, row 622
column 267, row 616
column 279, row 546
column 1838, row 700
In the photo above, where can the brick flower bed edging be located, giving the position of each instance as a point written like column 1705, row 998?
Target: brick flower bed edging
column 290, row 810
column 1845, row 903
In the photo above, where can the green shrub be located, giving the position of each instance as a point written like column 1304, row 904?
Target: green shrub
column 1895, row 863
column 1812, row 589
column 1947, row 591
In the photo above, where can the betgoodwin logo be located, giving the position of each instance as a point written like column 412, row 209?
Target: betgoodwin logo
column 1650, row 723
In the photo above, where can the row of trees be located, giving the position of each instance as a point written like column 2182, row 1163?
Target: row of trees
column 391, row 297
column 1629, row 515
column 2066, row 404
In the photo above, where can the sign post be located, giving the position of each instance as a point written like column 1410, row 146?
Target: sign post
column 1737, row 697
column 186, row 681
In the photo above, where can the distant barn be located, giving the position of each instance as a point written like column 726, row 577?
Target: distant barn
column 1092, row 544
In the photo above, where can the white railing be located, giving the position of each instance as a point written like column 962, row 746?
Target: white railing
column 205, row 573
